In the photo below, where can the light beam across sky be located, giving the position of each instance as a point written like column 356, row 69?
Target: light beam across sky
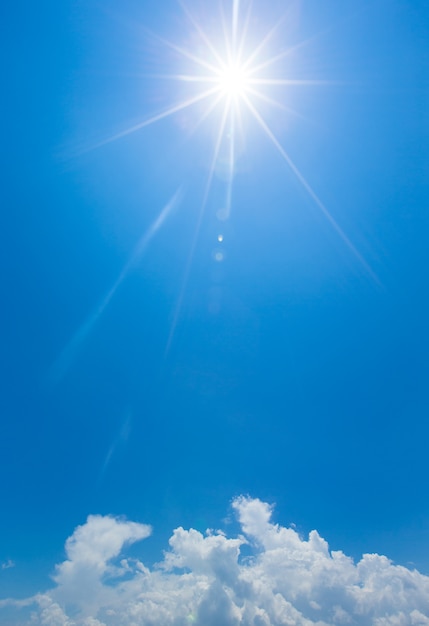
column 234, row 74
column 75, row 344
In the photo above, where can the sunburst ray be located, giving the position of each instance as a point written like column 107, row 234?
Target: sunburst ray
column 185, row 279
column 235, row 73
column 308, row 187
column 158, row 117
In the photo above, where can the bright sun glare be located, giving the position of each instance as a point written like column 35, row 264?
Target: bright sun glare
column 233, row 80
column 231, row 75
column 230, row 72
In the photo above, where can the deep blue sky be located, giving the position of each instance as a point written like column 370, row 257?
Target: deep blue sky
column 293, row 375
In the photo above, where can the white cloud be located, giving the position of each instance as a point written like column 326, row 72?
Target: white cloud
column 203, row 580
column 7, row 564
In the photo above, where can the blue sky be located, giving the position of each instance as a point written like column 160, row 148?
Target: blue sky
column 297, row 366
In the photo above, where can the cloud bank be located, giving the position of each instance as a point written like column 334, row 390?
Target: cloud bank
column 205, row 580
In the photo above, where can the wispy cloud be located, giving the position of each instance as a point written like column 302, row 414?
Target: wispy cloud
column 204, row 579
column 7, row 564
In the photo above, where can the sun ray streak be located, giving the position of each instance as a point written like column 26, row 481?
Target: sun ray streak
column 263, row 42
column 208, row 112
column 185, row 280
column 156, row 118
column 282, row 55
column 226, row 34
column 191, row 78
column 289, row 82
column 231, row 170
column 202, row 34
column 235, row 15
column 309, row 189
column 229, row 51
column 274, row 103
column 301, row 44
column 244, row 33
column 187, row 54
column 73, row 347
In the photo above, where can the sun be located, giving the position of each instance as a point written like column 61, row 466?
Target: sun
column 235, row 75
column 234, row 81
column 228, row 71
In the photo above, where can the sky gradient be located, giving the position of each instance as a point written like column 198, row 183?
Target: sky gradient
column 163, row 356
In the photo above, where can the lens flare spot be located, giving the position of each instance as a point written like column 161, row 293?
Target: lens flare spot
column 218, row 256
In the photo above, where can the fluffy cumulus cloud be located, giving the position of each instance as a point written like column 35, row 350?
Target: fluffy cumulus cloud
column 205, row 580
